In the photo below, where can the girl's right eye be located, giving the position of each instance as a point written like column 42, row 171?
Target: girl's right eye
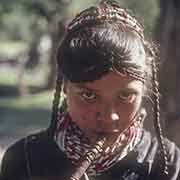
column 88, row 96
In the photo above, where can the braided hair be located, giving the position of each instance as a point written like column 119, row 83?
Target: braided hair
column 107, row 38
column 154, row 55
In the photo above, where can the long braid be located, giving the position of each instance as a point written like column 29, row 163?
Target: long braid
column 157, row 125
column 55, row 106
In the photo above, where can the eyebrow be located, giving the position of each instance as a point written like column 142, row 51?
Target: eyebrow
column 82, row 86
column 129, row 90
column 126, row 89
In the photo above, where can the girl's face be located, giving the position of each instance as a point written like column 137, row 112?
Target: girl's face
column 95, row 106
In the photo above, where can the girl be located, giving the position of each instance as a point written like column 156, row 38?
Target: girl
column 105, row 68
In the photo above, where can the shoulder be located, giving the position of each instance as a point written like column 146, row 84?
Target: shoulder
column 149, row 153
column 150, row 147
column 154, row 158
column 35, row 155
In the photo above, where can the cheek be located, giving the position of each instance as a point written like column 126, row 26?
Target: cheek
column 128, row 112
column 80, row 112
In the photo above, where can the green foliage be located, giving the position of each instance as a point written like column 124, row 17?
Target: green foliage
column 78, row 5
column 145, row 11
column 19, row 24
column 44, row 8
column 26, row 20
column 22, row 19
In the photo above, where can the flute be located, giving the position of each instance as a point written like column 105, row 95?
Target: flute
column 90, row 156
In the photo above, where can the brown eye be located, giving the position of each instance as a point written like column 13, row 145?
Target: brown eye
column 127, row 97
column 87, row 95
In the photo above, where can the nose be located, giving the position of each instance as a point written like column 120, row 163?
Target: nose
column 108, row 112
column 108, row 119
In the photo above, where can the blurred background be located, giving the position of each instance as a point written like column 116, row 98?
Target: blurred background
column 29, row 34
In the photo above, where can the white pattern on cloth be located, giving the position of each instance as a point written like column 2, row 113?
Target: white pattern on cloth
column 72, row 140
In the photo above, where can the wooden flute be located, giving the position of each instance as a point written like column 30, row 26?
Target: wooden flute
column 89, row 157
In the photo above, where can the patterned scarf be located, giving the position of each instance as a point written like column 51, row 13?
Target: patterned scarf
column 72, row 140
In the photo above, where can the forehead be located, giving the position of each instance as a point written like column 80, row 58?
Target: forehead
column 113, row 82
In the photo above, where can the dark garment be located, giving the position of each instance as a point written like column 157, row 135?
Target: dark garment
column 38, row 157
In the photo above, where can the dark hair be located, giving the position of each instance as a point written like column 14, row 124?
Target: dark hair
column 105, row 42
column 91, row 52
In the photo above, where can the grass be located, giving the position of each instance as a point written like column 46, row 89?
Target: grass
column 12, row 48
column 40, row 100
column 9, row 78
column 21, row 116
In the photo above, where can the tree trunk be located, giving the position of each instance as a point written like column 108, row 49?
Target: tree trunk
column 57, row 30
column 168, row 35
column 30, row 61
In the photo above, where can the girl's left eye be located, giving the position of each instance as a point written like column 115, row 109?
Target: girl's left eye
column 88, row 95
column 127, row 97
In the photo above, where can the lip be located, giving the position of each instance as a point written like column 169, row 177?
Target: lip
column 107, row 130
column 110, row 135
column 107, row 133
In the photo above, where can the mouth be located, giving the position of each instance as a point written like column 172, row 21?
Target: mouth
column 107, row 132
column 110, row 135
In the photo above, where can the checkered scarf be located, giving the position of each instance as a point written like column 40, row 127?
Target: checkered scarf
column 72, row 140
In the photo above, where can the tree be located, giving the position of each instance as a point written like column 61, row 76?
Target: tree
column 145, row 11
column 54, row 13
column 38, row 17
column 168, row 36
